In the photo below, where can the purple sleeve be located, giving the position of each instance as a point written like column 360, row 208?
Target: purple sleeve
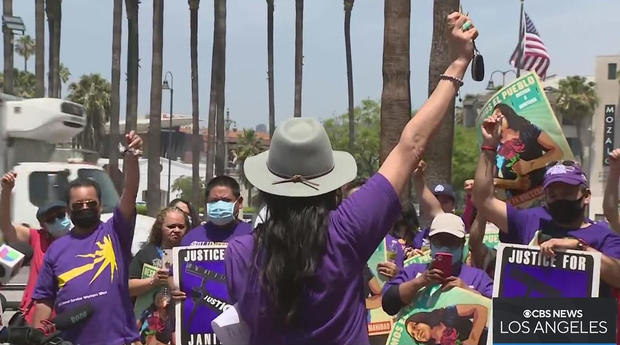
column 485, row 285
column 418, row 240
column 124, row 229
column 611, row 245
column 364, row 218
column 405, row 275
column 517, row 226
column 46, row 282
column 237, row 256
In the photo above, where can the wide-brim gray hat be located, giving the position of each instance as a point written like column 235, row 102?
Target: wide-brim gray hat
column 300, row 162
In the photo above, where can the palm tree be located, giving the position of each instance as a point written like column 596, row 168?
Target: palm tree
column 272, row 107
column 396, row 96
column 131, row 113
column 117, row 27
column 247, row 146
column 439, row 150
column 220, row 148
column 39, row 55
column 299, row 53
column 54, row 17
column 7, row 10
column 576, row 101
column 93, row 92
column 24, row 83
column 348, row 7
column 25, row 47
column 196, row 139
column 64, row 73
column 154, row 151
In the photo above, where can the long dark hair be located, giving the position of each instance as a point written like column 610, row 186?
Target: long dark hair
column 195, row 217
column 515, row 121
column 408, row 220
column 289, row 247
column 155, row 236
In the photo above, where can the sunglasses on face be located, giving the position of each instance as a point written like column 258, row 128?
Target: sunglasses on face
column 567, row 163
column 76, row 206
column 50, row 218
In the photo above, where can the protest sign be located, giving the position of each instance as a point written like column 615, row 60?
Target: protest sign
column 522, row 271
column 199, row 271
column 463, row 315
column 531, row 137
column 379, row 322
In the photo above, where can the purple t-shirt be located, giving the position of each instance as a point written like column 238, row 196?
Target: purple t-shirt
column 208, row 232
column 475, row 278
column 92, row 268
column 332, row 308
column 420, row 238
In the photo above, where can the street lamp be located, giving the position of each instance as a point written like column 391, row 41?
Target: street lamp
column 491, row 85
column 13, row 24
column 169, row 86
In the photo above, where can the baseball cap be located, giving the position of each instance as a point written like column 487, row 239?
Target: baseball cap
column 568, row 172
column 444, row 189
column 448, row 223
column 49, row 206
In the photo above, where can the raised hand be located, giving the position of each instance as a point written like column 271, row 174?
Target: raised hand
column 461, row 41
column 420, row 170
column 8, row 181
column 614, row 161
column 492, row 130
column 134, row 143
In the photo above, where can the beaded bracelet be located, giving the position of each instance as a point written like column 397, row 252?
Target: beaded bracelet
column 456, row 80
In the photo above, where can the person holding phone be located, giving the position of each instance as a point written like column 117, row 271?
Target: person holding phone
column 447, row 236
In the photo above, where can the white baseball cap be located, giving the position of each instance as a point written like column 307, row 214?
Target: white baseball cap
column 448, row 223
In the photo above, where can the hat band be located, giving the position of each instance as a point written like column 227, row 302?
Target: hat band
column 303, row 179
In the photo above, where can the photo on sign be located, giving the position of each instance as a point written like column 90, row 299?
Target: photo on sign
column 522, row 271
column 531, row 137
column 447, row 318
column 200, row 272
column 379, row 322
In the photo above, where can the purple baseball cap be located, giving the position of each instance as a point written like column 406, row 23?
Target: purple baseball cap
column 569, row 174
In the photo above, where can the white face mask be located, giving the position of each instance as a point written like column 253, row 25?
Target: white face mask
column 59, row 227
column 221, row 212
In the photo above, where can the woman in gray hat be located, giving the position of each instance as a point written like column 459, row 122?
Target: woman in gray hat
column 298, row 278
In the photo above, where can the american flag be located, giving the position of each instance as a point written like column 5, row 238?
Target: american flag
column 534, row 54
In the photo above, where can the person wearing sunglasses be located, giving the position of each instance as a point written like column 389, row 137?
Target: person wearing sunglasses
column 52, row 216
column 561, row 223
column 91, row 263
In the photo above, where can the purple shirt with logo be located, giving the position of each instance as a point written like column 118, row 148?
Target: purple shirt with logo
column 332, row 308
column 475, row 278
column 208, row 232
column 92, row 268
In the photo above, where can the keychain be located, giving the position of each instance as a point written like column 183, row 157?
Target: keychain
column 477, row 62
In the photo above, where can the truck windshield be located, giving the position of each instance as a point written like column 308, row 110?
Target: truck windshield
column 52, row 185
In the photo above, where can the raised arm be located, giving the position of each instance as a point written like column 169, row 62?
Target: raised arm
column 479, row 315
column 428, row 202
column 10, row 232
column 483, row 194
column 476, row 234
column 407, row 153
column 610, row 199
column 132, row 176
column 552, row 152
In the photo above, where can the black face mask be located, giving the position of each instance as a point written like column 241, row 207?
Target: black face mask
column 85, row 218
column 566, row 211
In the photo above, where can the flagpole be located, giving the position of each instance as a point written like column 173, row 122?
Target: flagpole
column 521, row 43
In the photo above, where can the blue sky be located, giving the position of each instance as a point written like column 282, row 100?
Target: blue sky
column 574, row 31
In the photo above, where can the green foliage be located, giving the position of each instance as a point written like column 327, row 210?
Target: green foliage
column 367, row 129
column 577, row 98
column 248, row 145
column 141, row 209
column 93, row 92
column 465, row 156
column 183, row 184
column 25, row 47
column 249, row 210
column 24, row 83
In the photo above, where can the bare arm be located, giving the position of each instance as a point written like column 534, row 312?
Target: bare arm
column 479, row 314
column 138, row 287
column 476, row 234
column 407, row 153
column 483, row 193
column 42, row 311
column 132, row 177
column 610, row 269
column 610, row 199
column 428, row 202
column 10, row 232
column 374, row 301
column 552, row 152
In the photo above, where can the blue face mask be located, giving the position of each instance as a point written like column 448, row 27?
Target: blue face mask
column 221, row 212
column 59, row 227
column 457, row 253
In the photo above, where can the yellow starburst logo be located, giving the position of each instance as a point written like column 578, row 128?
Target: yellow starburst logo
column 105, row 256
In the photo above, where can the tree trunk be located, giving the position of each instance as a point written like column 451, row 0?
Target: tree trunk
column 212, row 101
column 54, row 17
column 196, row 139
column 272, row 107
column 117, row 28
column 7, row 10
column 40, row 47
column 396, row 95
column 439, row 150
column 154, row 148
column 131, row 113
column 220, row 152
column 348, row 7
column 299, row 54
